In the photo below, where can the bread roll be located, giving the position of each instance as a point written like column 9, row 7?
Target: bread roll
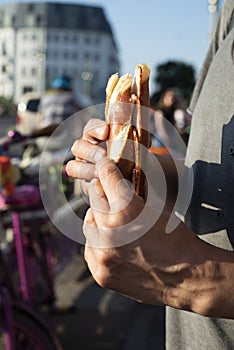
column 127, row 115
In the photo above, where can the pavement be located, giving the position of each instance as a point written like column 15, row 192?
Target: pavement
column 95, row 318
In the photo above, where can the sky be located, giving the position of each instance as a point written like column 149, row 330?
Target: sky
column 154, row 31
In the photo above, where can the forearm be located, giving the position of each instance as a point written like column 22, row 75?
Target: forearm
column 198, row 277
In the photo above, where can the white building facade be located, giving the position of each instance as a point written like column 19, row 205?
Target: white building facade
column 39, row 41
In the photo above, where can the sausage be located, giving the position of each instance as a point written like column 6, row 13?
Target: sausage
column 126, row 112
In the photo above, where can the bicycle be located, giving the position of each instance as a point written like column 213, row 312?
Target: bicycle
column 22, row 211
column 23, row 328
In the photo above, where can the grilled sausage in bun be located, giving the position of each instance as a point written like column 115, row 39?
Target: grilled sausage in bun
column 127, row 108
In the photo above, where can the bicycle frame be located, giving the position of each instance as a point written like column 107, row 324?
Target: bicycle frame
column 8, row 300
column 21, row 258
column 27, row 255
column 23, row 211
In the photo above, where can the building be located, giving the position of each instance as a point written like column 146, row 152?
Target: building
column 41, row 40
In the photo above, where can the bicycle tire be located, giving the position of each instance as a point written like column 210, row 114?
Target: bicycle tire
column 31, row 333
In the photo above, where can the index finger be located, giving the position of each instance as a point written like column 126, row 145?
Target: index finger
column 95, row 130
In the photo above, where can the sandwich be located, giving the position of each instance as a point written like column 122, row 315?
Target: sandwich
column 127, row 113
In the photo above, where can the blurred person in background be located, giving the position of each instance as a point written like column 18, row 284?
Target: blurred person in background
column 170, row 107
column 56, row 105
column 55, row 130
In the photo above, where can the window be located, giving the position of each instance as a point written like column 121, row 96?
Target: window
column 31, row 7
column 96, row 57
column 75, row 55
column 33, row 71
column 87, row 39
column 86, row 55
column 38, row 20
column 33, row 104
column 96, row 75
column 75, row 39
column 1, row 17
column 97, row 40
column 58, row 8
column 13, row 20
column 3, row 48
column 112, row 60
column 27, row 89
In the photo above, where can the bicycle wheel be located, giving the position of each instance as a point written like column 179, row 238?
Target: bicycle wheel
column 31, row 333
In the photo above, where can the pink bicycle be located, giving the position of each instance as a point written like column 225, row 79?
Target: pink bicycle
column 20, row 327
column 21, row 210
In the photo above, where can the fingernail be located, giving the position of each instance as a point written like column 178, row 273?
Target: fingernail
column 101, row 130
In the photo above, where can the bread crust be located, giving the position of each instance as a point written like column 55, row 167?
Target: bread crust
column 126, row 113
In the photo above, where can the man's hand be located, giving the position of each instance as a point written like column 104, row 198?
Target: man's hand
column 129, row 251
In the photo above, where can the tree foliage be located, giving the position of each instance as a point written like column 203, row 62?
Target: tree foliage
column 7, row 107
column 174, row 74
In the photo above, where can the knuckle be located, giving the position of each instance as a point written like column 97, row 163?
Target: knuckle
column 95, row 153
column 104, row 278
column 101, row 276
column 88, row 126
column 108, row 168
column 75, row 147
column 114, row 220
column 103, row 273
column 107, row 259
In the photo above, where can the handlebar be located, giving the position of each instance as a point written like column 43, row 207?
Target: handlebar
column 16, row 136
column 13, row 137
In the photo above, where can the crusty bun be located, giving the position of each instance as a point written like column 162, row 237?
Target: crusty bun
column 128, row 123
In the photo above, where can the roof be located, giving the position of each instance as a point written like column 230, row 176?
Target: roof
column 54, row 15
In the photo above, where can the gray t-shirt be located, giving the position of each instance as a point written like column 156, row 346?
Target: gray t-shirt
column 211, row 156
